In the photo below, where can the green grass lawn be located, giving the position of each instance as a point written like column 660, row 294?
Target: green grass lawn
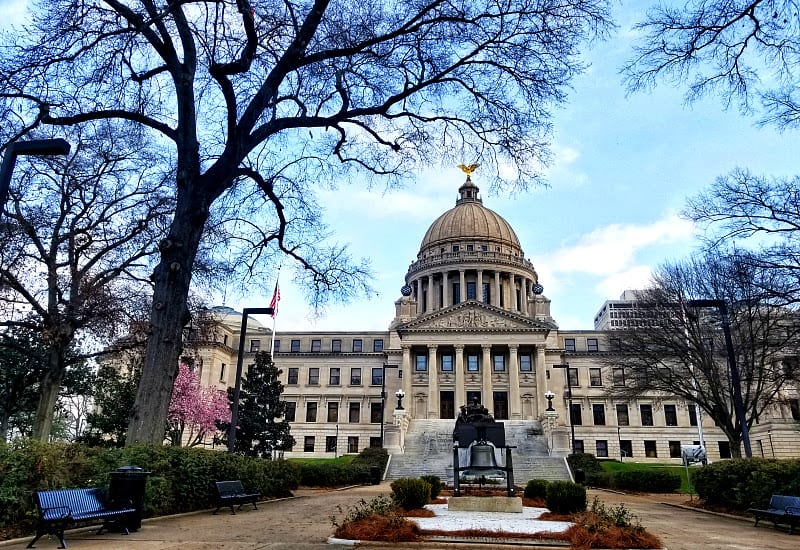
column 614, row 466
column 346, row 459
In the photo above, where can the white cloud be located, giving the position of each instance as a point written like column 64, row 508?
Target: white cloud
column 636, row 277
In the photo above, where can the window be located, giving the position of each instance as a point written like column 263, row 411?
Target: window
column 601, row 446
column 313, row 376
column 276, row 346
column 595, row 379
column 316, row 345
column 470, row 248
column 224, row 339
column 222, row 372
column 333, row 411
column 293, row 374
column 377, row 345
column 455, row 248
column 354, row 416
column 291, row 408
column 377, row 376
column 650, row 449
column 499, row 362
column 335, row 379
column 724, row 449
column 569, row 344
column 692, row 415
column 646, row 412
column 255, row 345
column 456, row 293
column 375, row 410
column 311, row 411
column 486, row 294
column 295, row 346
column 625, row 448
column 308, row 444
column 357, row 345
column 674, row 449
column 355, row 376
column 447, row 363
column 330, row 443
column 578, row 446
column 575, row 414
column 473, row 365
column 618, row 377
column 591, row 344
column 573, row 377
column 622, row 415
column 525, row 363
column 352, row 443
column 336, row 345
column 599, row 415
column 670, row 415
column 472, row 293
column 421, row 362
column 794, row 407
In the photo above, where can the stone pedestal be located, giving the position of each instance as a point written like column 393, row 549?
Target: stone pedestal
column 485, row 504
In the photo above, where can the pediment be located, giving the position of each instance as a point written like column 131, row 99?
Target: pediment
column 473, row 316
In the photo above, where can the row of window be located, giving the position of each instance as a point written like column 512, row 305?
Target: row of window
column 354, row 412
column 334, row 376
column 649, row 448
column 336, row 345
column 591, row 344
column 623, row 419
column 473, row 362
column 596, row 377
column 331, row 443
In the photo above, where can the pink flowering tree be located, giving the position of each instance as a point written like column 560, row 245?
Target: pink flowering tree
column 194, row 410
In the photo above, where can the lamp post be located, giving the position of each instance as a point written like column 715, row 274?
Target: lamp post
column 400, row 394
column 738, row 402
column 383, row 396
column 34, row 147
column 769, row 434
column 549, row 396
column 619, row 442
column 238, row 385
column 565, row 366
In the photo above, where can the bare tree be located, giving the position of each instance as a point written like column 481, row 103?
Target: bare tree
column 681, row 352
column 75, row 246
column 268, row 100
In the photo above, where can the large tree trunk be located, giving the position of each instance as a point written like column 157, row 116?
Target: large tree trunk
column 48, row 394
column 4, row 418
column 168, row 316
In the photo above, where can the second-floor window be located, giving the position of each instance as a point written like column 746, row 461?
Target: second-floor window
column 646, row 412
column 421, row 363
column 447, row 363
column 333, row 411
column 595, row 379
column 295, row 346
column 575, row 414
column 622, row 415
column 311, row 411
column 377, row 345
column 255, row 345
column 336, row 345
column 289, row 415
column 355, row 376
column 591, row 344
column 335, row 376
column 525, row 363
column 313, row 376
column 377, row 376
column 292, row 376
column 670, row 415
column 618, row 375
column 357, row 345
column 354, row 415
column 569, row 344
column 316, row 346
column 473, row 364
column 599, row 415
column 499, row 362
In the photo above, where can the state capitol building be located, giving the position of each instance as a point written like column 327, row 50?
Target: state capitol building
column 472, row 324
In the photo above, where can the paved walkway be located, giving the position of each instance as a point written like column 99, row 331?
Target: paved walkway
column 302, row 523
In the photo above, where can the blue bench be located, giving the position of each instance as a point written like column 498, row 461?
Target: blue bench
column 231, row 493
column 782, row 509
column 65, row 508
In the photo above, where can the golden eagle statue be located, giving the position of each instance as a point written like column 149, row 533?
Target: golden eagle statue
column 468, row 170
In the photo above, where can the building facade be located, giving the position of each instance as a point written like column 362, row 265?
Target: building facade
column 473, row 324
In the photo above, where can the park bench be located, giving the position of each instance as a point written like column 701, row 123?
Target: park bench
column 782, row 509
column 62, row 509
column 231, row 493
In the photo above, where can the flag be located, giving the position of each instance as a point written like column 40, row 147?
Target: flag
column 276, row 297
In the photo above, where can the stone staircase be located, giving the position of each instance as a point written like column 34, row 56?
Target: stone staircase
column 429, row 450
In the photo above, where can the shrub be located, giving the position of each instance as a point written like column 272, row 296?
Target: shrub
column 565, row 497
column 436, row 484
column 536, row 488
column 584, row 461
column 746, row 483
column 647, row 481
column 411, row 493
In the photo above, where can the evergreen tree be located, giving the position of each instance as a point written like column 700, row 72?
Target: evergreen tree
column 262, row 426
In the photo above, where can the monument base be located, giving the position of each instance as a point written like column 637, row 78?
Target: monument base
column 485, row 504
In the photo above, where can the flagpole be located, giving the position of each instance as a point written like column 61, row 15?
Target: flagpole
column 276, row 297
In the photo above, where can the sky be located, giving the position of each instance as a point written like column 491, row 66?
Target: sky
column 623, row 168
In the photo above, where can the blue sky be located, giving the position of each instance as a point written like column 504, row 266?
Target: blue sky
column 623, row 168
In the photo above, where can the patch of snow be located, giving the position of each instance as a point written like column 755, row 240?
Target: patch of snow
column 505, row 522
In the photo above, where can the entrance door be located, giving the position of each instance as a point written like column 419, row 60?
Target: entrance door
column 473, row 397
column 500, row 399
column 447, row 404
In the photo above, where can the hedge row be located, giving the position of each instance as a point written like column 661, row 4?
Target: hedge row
column 644, row 481
column 746, row 483
column 335, row 474
column 180, row 480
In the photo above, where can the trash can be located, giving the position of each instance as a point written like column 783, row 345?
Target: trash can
column 375, row 475
column 128, row 483
column 580, row 476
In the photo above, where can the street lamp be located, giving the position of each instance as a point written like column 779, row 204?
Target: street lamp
column 565, row 366
column 238, row 386
column 400, row 394
column 383, row 396
column 549, row 396
column 34, row 147
column 738, row 402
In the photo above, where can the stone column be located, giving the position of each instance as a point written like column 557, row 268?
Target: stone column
column 541, row 381
column 407, row 374
column 445, row 290
column 429, row 306
column 486, row 379
column 479, row 286
column 496, row 300
column 461, row 394
column 433, row 383
column 525, row 296
column 462, row 286
column 514, row 402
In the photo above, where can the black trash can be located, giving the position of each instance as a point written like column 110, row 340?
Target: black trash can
column 128, row 483
column 580, row 476
column 375, row 475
